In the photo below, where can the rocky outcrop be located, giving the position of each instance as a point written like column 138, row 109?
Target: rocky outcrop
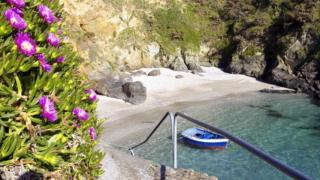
column 155, row 72
column 138, row 73
column 111, row 84
column 165, row 172
column 109, row 35
column 283, row 51
column 120, row 86
column 181, row 61
column 277, row 91
column 174, row 62
column 192, row 62
column 126, row 167
column 263, row 40
column 248, row 65
column 135, row 92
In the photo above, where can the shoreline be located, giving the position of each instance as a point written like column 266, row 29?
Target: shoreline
column 165, row 90
column 164, row 93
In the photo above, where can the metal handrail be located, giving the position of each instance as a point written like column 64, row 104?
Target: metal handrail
column 150, row 135
column 254, row 150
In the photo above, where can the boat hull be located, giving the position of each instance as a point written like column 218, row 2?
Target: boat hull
column 205, row 145
column 201, row 138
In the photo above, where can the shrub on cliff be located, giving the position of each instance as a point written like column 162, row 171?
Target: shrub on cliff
column 47, row 121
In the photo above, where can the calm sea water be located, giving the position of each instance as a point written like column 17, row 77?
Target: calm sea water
column 285, row 126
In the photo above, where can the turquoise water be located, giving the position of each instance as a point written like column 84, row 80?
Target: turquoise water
column 285, row 126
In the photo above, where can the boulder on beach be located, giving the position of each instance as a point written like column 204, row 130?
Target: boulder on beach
column 179, row 76
column 111, row 85
column 138, row 73
column 135, row 92
column 121, row 86
column 192, row 63
column 155, row 72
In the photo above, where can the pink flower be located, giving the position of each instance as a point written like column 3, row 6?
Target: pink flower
column 17, row 3
column 53, row 40
column 60, row 59
column 92, row 133
column 48, row 110
column 25, row 44
column 81, row 114
column 43, row 62
column 15, row 19
column 92, row 95
column 46, row 14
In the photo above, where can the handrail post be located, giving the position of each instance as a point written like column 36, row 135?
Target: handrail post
column 174, row 138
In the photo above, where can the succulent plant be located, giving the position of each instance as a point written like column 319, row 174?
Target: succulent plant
column 40, row 88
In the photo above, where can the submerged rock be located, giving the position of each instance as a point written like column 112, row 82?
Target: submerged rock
column 277, row 91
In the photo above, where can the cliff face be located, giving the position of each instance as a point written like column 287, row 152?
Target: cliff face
column 107, row 35
column 276, row 41
column 118, row 36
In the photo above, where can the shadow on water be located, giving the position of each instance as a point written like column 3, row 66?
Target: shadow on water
column 315, row 127
column 317, row 134
column 315, row 101
column 275, row 114
column 260, row 107
column 271, row 112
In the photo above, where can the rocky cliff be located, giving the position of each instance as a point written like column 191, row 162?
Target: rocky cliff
column 276, row 41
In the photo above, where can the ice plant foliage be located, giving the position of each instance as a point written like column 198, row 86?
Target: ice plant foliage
column 92, row 133
column 48, row 110
column 15, row 20
column 92, row 95
column 26, row 45
column 46, row 14
column 80, row 114
column 49, row 132
column 17, row 3
column 53, row 40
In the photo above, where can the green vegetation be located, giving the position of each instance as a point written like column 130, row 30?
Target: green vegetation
column 175, row 27
column 252, row 50
column 46, row 138
column 127, row 37
column 187, row 25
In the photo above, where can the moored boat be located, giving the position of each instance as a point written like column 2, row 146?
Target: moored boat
column 204, row 139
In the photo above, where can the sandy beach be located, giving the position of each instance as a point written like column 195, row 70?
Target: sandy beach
column 164, row 93
column 166, row 90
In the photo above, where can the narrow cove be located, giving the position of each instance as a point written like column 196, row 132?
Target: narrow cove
column 285, row 126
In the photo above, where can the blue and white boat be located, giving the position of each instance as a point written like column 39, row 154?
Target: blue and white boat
column 204, row 139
